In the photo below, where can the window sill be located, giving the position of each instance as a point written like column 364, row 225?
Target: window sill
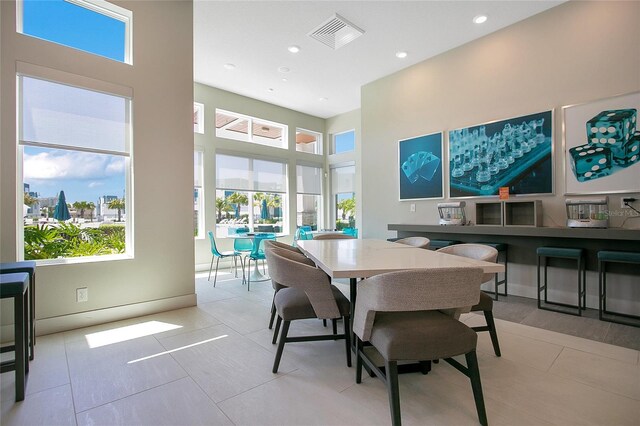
column 86, row 259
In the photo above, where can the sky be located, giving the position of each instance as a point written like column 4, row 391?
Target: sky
column 88, row 119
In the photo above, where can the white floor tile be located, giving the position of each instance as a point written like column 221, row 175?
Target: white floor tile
column 50, row 407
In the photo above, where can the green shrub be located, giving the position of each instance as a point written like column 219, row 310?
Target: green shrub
column 69, row 240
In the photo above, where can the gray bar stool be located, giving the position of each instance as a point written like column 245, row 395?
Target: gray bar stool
column 503, row 257
column 604, row 257
column 28, row 266
column 16, row 286
column 438, row 244
column 545, row 253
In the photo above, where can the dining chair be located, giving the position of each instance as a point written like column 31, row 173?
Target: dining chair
column 399, row 314
column 307, row 293
column 242, row 246
column 485, row 305
column 257, row 253
column 334, row 236
column 419, row 242
column 271, row 244
column 216, row 254
column 351, row 231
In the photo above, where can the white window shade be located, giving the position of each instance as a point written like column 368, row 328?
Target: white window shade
column 197, row 168
column 309, row 180
column 67, row 116
column 343, row 179
column 248, row 174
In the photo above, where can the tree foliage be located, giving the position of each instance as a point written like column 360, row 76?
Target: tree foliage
column 69, row 240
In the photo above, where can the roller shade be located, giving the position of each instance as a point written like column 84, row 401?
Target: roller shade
column 197, row 169
column 309, row 180
column 248, row 174
column 343, row 179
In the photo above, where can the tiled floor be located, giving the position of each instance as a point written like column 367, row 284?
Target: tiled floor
column 211, row 364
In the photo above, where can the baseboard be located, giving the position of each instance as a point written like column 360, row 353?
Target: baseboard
column 101, row 316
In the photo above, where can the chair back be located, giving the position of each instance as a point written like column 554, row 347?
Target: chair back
column 415, row 290
column 419, row 242
column 332, row 236
column 313, row 281
column 242, row 244
column 214, row 249
column 351, row 231
column 271, row 244
column 257, row 250
column 474, row 251
column 243, row 230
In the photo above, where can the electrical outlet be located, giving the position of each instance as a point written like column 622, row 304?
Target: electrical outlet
column 412, row 208
column 82, row 294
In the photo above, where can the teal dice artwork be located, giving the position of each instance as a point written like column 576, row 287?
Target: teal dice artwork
column 602, row 144
column 514, row 153
column 420, row 162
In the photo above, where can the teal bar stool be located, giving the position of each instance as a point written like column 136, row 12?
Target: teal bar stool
column 438, row 244
column 28, row 266
column 503, row 257
column 16, row 286
column 604, row 257
column 545, row 253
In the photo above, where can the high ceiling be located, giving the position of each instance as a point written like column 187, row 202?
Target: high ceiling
column 254, row 37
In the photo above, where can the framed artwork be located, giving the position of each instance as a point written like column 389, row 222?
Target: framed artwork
column 420, row 165
column 198, row 118
column 601, row 144
column 516, row 153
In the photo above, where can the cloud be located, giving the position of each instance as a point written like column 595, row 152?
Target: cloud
column 67, row 165
column 95, row 184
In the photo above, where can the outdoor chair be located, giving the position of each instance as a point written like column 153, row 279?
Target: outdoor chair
column 257, row 253
column 307, row 293
column 351, row 231
column 399, row 314
column 488, row 254
column 217, row 255
column 419, row 242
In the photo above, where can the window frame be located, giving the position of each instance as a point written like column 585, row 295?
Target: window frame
column 319, row 141
column 333, row 142
column 320, row 210
column 201, row 196
column 249, row 137
column 102, row 7
column 334, row 195
column 84, row 83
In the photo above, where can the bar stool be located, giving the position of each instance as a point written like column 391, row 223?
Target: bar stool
column 605, row 256
column 28, row 266
column 502, row 257
column 438, row 244
column 16, row 286
column 563, row 253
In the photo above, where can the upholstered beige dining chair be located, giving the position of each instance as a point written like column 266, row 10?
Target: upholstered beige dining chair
column 419, row 242
column 399, row 314
column 488, row 254
column 308, row 293
column 333, row 236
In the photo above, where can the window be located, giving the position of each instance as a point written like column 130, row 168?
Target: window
column 198, row 195
column 308, row 141
column 344, row 142
column 344, row 197
column 74, row 149
column 251, row 194
column 309, row 199
column 230, row 125
column 92, row 26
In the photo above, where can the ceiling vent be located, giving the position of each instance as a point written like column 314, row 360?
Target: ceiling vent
column 336, row 32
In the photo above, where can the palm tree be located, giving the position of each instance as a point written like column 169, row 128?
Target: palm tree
column 91, row 207
column 222, row 205
column 348, row 206
column 81, row 206
column 29, row 200
column 118, row 204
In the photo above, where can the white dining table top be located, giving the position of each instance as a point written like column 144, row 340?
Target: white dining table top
column 361, row 258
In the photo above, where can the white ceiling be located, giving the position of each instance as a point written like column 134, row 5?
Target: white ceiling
column 254, row 36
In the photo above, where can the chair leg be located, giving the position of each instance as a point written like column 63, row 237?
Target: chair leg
column 334, row 323
column 249, row 274
column 273, row 312
column 324, row 322
column 476, row 385
column 275, row 332
column 215, row 277
column 347, row 339
column 283, row 337
column 359, row 346
column 210, row 268
column 488, row 316
column 391, row 370
column 425, row 367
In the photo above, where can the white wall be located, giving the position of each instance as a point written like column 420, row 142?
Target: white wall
column 161, row 274
column 213, row 98
column 574, row 53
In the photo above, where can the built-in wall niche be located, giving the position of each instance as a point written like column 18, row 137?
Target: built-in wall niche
column 509, row 213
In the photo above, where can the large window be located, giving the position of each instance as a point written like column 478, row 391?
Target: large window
column 344, row 197
column 309, row 198
column 92, row 26
column 198, row 195
column 231, row 125
column 308, row 141
column 74, row 145
column 251, row 194
column 344, row 142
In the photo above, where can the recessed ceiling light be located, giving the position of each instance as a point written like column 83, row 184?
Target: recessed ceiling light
column 284, row 80
column 323, row 99
column 283, row 69
column 293, row 49
column 401, row 54
column 270, row 89
column 480, row 19
column 229, row 66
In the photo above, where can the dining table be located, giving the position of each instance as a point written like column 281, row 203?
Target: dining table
column 255, row 275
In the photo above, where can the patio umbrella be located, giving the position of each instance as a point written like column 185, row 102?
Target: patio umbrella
column 61, row 212
column 264, row 210
column 237, row 211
